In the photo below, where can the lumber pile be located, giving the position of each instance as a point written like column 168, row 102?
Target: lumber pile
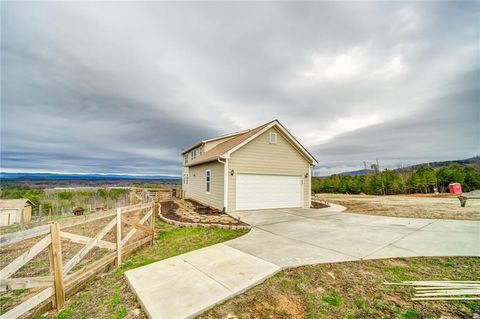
column 443, row 290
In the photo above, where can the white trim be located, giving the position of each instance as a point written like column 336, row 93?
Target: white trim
column 201, row 143
column 225, row 185
column 225, row 136
column 284, row 131
column 309, row 186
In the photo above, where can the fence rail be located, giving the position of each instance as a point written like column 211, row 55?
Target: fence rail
column 61, row 281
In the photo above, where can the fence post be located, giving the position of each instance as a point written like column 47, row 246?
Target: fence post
column 56, row 254
column 152, row 221
column 119, row 236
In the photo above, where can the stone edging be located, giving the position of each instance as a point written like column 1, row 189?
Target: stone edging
column 211, row 225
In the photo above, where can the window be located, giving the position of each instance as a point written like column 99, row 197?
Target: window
column 208, row 180
column 185, row 159
column 200, row 150
column 272, row 139
column 186, row 178
column 194, row 154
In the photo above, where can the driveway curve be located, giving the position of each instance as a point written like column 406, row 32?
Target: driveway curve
column 189, row 284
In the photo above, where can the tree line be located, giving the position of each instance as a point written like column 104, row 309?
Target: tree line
column 423, row 179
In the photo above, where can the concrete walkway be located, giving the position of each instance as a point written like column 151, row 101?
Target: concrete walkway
column 187, row 285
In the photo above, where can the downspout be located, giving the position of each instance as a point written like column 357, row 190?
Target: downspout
column 309, row 186
column 225, row 184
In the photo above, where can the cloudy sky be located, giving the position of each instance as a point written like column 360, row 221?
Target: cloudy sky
column 122, row 87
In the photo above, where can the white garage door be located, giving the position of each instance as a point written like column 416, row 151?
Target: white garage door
column 268, row 191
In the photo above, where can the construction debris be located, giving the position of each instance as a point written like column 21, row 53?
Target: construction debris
column 443, row 290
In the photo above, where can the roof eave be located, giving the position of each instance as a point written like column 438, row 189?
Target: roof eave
column 206, row 160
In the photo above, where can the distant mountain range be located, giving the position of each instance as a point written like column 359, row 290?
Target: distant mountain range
column 79, row 177
column 467, row 161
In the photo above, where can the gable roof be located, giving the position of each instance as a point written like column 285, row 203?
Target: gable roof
column 223, row 150
column 15, row 203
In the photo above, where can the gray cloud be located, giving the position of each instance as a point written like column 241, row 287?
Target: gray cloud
column 123, row 87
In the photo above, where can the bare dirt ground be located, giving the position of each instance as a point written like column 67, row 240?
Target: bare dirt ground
column 414, row 206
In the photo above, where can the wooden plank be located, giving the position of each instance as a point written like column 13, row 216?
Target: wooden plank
column 130, row 248
column 138, row 226
column 78, row 276
column 25, row 283
column 76, row 281
column 21, row 260
column 28, row 304
column 152, row 221
column 133, row 231
column 50, row 259
column 447, row 298
column 83, row 240
column 11, row 238
column 130, row 208
column 57, row 266
column 92, row 269
column 465, row 286
column 83, row 219
column 453, row 292
column 119, row 236
column 91, row 243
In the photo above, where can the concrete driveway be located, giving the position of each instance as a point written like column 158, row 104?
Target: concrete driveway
column 187, row 285
column 294, row 237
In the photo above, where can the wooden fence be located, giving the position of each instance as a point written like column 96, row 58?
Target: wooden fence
column 61, row 281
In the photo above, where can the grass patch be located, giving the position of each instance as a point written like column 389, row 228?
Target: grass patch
column 356, row 291
column 334, row 301
column 411, row 314
column 109, row 295
column 361, row 303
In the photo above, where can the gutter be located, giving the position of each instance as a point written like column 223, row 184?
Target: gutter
column 225, row 183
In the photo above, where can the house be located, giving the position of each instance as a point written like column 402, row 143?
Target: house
column 15, row 211
column 261, row 168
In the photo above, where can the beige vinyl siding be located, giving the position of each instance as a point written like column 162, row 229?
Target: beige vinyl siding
column 261, row 157
column 196, row 184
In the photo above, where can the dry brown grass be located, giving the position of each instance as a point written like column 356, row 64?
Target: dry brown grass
column 354, row 290
column 415, row 206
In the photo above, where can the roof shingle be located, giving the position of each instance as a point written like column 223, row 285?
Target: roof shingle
column 226, row 146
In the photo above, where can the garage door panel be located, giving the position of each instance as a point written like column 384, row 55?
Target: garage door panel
column 268, row 191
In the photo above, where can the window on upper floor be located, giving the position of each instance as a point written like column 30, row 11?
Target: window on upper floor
column 272, row 138
column 185, row 159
